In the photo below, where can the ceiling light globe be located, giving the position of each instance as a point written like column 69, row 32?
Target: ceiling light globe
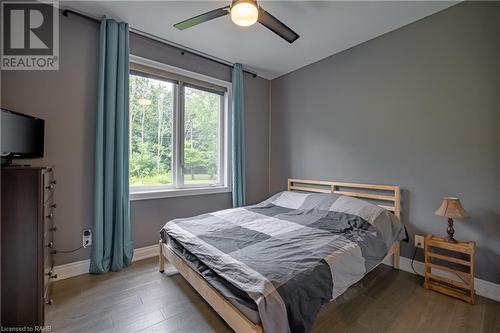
column 244, row 13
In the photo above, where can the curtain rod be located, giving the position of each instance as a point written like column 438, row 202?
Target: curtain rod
column 183, row 49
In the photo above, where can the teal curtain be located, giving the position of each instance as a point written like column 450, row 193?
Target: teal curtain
column 112, row 247
column 238, row 133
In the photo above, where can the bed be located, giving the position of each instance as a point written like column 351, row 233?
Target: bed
column 271, row 266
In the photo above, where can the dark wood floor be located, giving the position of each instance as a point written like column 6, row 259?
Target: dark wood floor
column 141, row 299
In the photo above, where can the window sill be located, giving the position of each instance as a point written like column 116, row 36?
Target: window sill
column 178, row 192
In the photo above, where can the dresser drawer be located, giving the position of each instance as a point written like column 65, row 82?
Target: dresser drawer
column 49, row 184
column 48, row 272
column 48, row 216
column 47, row 253
column 48, row 238
column 47, row 286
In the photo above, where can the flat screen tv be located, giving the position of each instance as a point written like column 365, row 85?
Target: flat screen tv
column 21, row 136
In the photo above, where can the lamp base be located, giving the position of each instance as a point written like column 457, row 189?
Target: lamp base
column 450, row 239
column 450, row 231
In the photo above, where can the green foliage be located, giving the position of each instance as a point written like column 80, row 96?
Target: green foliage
column 163, row 179
column 194, row 157
column 151, row 132
column 142, row 163
column 201, row 131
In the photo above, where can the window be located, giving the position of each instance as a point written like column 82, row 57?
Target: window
column 178, row 134
column 151, row 109
column 201, row 136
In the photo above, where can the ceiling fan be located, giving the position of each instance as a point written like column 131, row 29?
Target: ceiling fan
column 244, row 13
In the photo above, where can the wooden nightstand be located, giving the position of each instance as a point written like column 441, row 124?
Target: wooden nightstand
column 455, row 258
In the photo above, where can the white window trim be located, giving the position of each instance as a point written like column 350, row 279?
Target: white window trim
column 177, row 192
column 168, row 191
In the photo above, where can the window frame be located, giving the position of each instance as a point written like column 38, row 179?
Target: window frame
column 178, row 188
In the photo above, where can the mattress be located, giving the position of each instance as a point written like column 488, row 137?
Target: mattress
column 234, row 295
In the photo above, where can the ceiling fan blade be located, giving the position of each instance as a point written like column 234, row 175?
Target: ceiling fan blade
column 276, row 26
column 213, row 14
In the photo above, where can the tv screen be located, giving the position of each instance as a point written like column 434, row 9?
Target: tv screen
column 21, row 136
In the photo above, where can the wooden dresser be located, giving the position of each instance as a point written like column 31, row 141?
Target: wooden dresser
column 27, row 222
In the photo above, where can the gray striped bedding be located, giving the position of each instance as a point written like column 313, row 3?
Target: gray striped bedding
column 291, row 253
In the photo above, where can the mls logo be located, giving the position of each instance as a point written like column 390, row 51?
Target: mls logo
column 30, row 35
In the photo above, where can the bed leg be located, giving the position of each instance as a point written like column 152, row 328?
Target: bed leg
column 395, row 256
column 161, row 258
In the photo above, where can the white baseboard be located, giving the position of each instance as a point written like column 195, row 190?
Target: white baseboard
column 146, row 252
column 483, row 288
column 82, row 267
column 72, row 269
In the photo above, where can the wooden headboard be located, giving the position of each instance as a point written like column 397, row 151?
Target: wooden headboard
column 385, row 196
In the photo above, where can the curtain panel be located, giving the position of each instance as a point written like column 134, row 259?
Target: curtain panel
column 238, row 133
column 112, row 247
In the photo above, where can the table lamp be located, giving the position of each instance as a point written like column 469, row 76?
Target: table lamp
column 452, row 209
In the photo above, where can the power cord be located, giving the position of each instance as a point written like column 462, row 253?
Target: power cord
column 461, row 279
column 413, row 259
column 67, row 251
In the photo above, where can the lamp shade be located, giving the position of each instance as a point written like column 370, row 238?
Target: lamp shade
column 451, row 207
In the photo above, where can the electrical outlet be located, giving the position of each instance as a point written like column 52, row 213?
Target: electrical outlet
column 87, row 237
column 419, row 241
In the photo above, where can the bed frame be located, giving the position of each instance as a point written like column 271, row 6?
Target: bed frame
column 385, row 196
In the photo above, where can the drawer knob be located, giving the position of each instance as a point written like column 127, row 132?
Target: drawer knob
column 49, row 301
column 53, row 228
column 51, row 215
column 50, row 187
column 53, row 276
column 54, row 206
column 50, row 244
column 53, row 182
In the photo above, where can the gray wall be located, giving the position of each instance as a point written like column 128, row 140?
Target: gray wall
column 418, row 107
column 66, row 99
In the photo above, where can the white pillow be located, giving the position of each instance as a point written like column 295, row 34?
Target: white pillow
column 290, row 199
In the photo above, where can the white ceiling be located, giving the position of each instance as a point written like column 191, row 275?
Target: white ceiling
column 325, row 27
